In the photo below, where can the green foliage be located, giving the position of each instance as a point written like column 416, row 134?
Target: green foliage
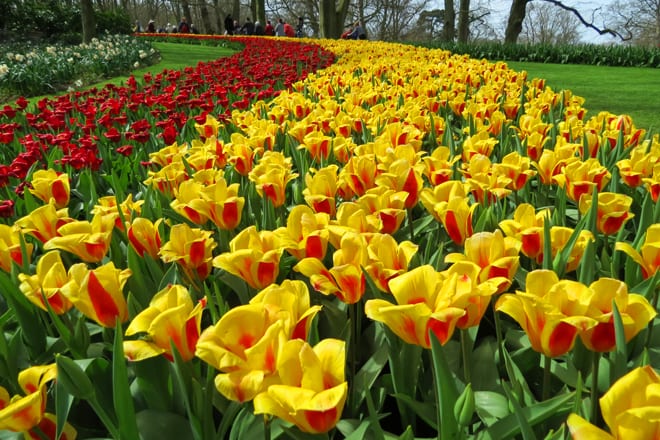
column 599, row 55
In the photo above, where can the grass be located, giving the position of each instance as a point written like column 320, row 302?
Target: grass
column 620, row 90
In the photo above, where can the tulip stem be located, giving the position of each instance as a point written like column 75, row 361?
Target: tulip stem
column 411, row 227
column 654, row 304
column 466, row 349
column 594, row 389
column 547, row 361
column 352, row 316
column 267, row 422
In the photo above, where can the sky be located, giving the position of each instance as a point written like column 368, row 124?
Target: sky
column 500, row 11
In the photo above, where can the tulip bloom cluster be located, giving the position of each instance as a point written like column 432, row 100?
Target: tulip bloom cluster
column 416, row 185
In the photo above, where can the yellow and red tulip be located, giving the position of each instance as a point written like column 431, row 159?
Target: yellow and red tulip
column 144, row 236
column 423, row 304
column 527, row 227
column 648, row 257
column 313, row 390
column 549, row 311
column 89, row 241
column 630, row 409
column 46, row 284
column 306, row 233
column 613, row 210
column 635, row 311
column 170, row 320
column 43, row 222
column 10, row 247
column 253, row 256
column 271, row 176
column 321, row 189
column 191, row 249
column 22, row 413
column 107, row 208
column 388, row 259
column 578, row 178
column 50, row 185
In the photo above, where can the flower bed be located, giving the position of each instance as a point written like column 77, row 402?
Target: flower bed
column 405, row 242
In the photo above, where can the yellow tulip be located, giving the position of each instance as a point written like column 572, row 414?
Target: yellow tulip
column 423, row 304
column 549, row 311
column 359, row 174
column 167, row 179
column 313, row 390
column 306, row 233
column 271, row 176
column 191, row 249
column 22, row 413
column 527, row 227
column 171, row 318
column 50, row 185
column 89, row 241
column 289, row 302
column 144, row 236
column 43, row 222
column 220, row 203
column 253, row 256
column 439, row 166
column 578, row 178
column 98, row 293
column 321, row 189
column 244, row 345
column 388, row 259
column 186, row 193
column 51, row 276
column 209, row 128
column 630, row 409
column 613, row 210
column 635, row 311
column 648, row 257
column 107, row 208
column 516, row 168
column 10, row 247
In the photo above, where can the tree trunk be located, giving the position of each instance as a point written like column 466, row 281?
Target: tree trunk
column 260, row 11
column 236, row 10
column 185, row 7
column 332, row 17
column 206, row 19
column 88, row 21
column 464, row 21
column 449, row 28
column 516, row 18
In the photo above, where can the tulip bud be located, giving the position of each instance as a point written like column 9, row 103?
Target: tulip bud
column 73, row 378
column 464, row 406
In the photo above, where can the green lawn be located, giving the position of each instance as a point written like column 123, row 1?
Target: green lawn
column 621, row 90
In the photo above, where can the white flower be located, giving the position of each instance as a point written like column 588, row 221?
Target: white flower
column 4, row 70
column 19, row 57
column 136, row 65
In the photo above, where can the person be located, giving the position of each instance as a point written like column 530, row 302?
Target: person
column 279, row 28
column 258, row 28
column 183, row 28
column 347, row 33
column 269, row 30
column 151, row 26
column 288, row 30
column 248, row 27
column 137, row 27
column 229, row 25
column 193, row 29
column 299, row 27
column 358, row 32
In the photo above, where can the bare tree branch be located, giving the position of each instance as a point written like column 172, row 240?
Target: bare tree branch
column 588, row 24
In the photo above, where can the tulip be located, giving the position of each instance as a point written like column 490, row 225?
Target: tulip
column 639, row 166
column 345, row 278
column 551, row 162
column 320, row 189
column 648, row 257
column 527, row 227
column 241, row 155
column 359, row 174
column 244, row 345
column 630, row 409
column 48, row 427
column 167, row 179
column 480, row 143
column 495, row 255
column 635, row 311
column 439, row 166
column 386, row 205
column 187, row 192
column 43, row 222
column 549, row 311
column 107, row 207
column 306, row 233
column 578, row 178
column 516, row 168
column 559, row 236
column 289, row 303
column 448, row 203
column 423, row 304
column 50, row 185
column 10, row 247
column 46, row 285
column 191, row 249
column 253, row 256
column 98, row 293
column 209, row 128
column 352, row 217
column 22, row 413
column 388, row 259
column 144, row 236
column 313, row 390
column 613, row 211
column 170, row 319
column 405, row 176
column 89, row 241
column 217, row 201
column 317, row 144
column 271, row 176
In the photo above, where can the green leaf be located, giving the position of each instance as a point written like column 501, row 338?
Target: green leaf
column 63, row 402
column 367, row 375
column 161, row 425
column 491, row 406
column 619, row 357
column 533, row 414
column 122, row 398
column 525, row 428
column 446, row 391
column 73, row 378
column 423, row 410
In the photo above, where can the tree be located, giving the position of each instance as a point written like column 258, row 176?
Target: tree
column 464, row 21
column 519, row 10
column 331, row 17
column 449, row 29
column 88, row 21
column 640, row 19
column 545, row 25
